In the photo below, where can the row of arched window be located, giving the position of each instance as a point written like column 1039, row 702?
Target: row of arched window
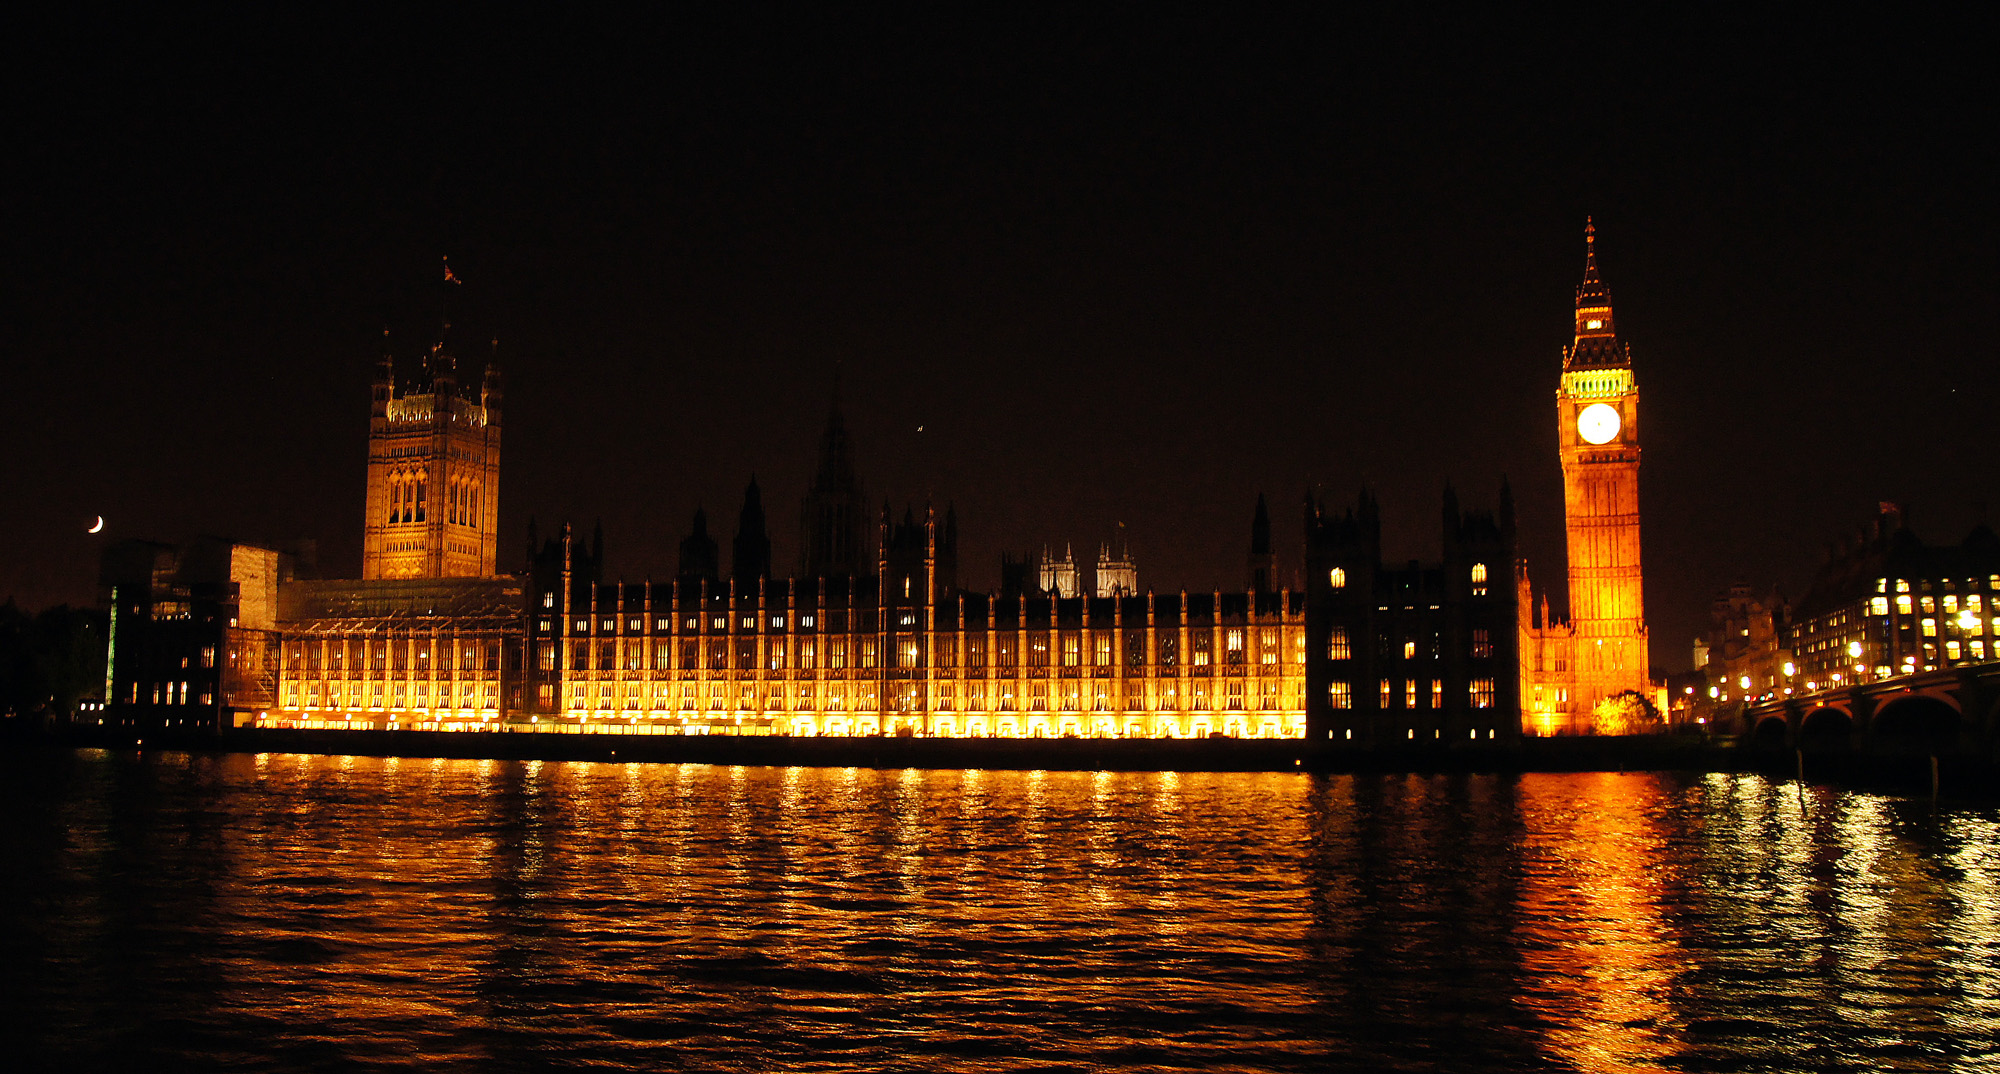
column 409, row 491
column 464, row 503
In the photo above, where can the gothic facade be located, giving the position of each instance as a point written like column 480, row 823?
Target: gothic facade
column 873, row 636
column 873, row 633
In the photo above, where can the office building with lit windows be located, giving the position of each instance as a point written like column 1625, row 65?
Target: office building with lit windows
column 1888, row 604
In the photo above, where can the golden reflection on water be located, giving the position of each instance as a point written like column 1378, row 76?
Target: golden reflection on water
column 1598, row 960
column 502, row 915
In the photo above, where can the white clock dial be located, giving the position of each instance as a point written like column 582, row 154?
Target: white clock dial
column 1598, row 423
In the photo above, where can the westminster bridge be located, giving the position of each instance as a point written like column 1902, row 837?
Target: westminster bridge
column 1951, row 711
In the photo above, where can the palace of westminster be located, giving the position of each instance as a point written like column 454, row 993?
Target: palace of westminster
column 872, row 633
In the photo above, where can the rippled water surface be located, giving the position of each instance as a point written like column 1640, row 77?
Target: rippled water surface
column 173, row 911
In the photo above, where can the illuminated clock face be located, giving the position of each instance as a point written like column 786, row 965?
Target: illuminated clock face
column 1598, row 423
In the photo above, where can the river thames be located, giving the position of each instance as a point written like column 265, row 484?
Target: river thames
column 265, row 912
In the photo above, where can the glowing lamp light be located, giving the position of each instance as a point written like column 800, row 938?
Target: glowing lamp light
column 1745, row 680
column 1790, row 670
column 1854, row 648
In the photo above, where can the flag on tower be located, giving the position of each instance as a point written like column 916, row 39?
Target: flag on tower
column 448, row 277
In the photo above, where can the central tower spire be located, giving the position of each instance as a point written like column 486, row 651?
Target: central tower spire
column 834, row 517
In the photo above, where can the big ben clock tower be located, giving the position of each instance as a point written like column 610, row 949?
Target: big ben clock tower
column 1597, row 414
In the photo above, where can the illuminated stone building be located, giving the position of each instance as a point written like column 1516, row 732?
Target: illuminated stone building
column 1415, row 654
column 875, row 637
column 1568, row 667
column 1888, row 604
column 433, row 470
column 905, row 652
column 430, row 635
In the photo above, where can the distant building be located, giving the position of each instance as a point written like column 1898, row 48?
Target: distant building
column 1886, row 604
column 1060, row 576
column 192, row 632
column 1745, row 652
column 1117, row 575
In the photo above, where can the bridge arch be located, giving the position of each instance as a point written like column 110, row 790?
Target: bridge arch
column 1770, row 732
column 1826, row 727
column 1927, row 720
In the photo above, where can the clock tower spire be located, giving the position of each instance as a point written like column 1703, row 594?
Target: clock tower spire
column 1597, row 415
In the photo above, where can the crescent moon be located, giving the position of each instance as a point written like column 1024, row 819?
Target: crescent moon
column 100, row 524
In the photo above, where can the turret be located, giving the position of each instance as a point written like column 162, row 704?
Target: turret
column 385, row 378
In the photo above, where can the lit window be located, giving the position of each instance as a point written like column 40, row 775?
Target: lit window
column 1479, row 579
column 1338, row 578
column 1409, row 693
column 1879, row 606
column 1437, row 693
column 1410, row 650
column 1482, row 694
column 1482, row 643
column 1387, row 696
column 1592, row 326
column 1337, row 646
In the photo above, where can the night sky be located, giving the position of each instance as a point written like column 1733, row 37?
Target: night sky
column 1125, row 269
